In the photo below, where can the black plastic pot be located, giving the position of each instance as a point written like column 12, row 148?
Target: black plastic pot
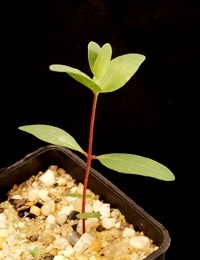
column 48, row 155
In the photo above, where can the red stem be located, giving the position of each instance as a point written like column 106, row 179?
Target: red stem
column 89, row 155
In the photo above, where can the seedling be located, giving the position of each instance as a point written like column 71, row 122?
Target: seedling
column 108, row 75
column 34, row 252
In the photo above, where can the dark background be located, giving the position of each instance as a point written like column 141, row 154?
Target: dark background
column 149, row 116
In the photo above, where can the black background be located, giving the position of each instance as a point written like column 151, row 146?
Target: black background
column 149, row 116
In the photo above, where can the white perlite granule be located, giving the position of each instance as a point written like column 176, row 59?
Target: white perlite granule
column 38, row 221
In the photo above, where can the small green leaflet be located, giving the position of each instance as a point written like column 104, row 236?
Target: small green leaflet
column 77, row 75
column 102, row 60
column 135, row 164
column 93, row 52
column 53, row 135
column 78, row 195
column 34, row 252
column 119, row 71
column 89, row 215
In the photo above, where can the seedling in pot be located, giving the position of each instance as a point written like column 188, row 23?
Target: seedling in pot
column 108, row 75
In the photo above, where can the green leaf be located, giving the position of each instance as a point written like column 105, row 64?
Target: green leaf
column 34, row 252
column 135, row 164
column 89, row 215
column 119, row 71
column 53, row 135
column 93, row 52
column 79, row 196
column 102, row 61
column 77, row 75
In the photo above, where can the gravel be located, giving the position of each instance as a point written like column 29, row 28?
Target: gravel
column 38, row 222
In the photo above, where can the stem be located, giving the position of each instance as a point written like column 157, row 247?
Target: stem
column 89, row 155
